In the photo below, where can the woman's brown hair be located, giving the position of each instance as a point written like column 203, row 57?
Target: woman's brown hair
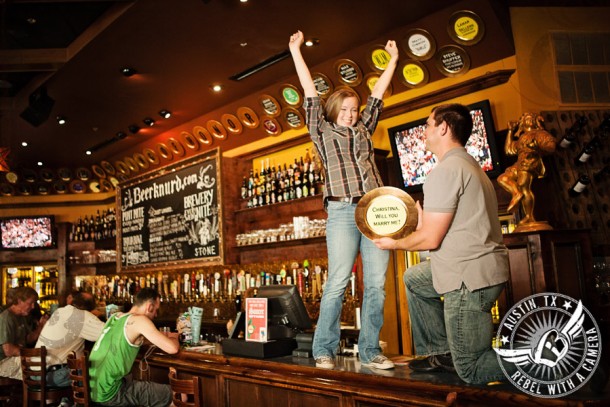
column 334, row 102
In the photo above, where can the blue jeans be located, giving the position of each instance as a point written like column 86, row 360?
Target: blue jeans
column 59, row 377
column 343, row 241
column 460, row 324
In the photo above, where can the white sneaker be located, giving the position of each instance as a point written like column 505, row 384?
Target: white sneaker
column 380, row 362
column 325, row 362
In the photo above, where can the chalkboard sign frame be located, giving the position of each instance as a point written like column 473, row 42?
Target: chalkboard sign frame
column 200, row 184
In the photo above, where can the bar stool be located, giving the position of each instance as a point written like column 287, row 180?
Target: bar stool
column 184, row 389
column 79, row 374
column 33, row 364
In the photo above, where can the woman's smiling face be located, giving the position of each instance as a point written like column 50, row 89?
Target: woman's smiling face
column 348, row 115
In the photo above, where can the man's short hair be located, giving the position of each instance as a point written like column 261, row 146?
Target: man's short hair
column 458, row 119
column 23, row 294
column 84, row 301
column 144, row 295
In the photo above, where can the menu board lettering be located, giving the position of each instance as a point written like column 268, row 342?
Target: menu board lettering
column 171, row 217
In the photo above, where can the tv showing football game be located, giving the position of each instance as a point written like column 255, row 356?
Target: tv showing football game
column 413, row 162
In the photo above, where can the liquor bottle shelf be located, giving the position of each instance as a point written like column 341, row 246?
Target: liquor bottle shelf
column 283, row 243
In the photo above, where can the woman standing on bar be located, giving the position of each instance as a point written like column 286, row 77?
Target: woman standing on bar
column 343, row 140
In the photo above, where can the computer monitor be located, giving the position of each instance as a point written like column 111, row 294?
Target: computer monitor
column 287, row 315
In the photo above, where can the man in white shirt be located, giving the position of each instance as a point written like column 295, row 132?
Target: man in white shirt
column 65, row 332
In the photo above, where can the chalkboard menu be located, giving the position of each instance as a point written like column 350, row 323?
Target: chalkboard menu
column 172, row 217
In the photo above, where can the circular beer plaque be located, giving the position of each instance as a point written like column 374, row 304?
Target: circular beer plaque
column 452, row 61
column 349, row 72
column 386, row 212
column 419, row 44
column 466, row 27
column 323, row 85
column 414, row 74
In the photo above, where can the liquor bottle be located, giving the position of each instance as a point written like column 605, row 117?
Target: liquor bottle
column 298, row 188
column 579, row 186
column 573, row 131
column 602, row 174
column 251, row 183
column 72, row 232
column 85, row 229
column 244, row 188
column 585, row 154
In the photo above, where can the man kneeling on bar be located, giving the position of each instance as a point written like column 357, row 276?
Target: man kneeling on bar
column 468, row 263
column 113, row 354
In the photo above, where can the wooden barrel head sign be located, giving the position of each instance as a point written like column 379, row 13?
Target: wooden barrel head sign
column 386, row 212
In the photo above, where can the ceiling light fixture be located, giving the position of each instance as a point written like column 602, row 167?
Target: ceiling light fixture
column 24, row 143
column 120, row 135
column 260, row 66
column 311, row 42
column 216, row 88
column 166, row 114
column 40, row 163
column 126, row 71
column 134, row 128
column 149, row 122
column 61, row 120
column 88, row 152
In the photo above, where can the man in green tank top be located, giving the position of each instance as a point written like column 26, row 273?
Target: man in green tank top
column 116, row 349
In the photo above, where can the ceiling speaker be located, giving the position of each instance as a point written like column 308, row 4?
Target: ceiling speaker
column 39, row 108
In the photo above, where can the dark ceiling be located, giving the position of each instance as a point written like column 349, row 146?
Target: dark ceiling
column 75, row 50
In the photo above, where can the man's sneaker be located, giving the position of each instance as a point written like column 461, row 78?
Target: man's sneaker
column 434, row 363
column 325, row 362
column 380, row 362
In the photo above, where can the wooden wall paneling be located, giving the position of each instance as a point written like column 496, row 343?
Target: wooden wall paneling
column 391, row 329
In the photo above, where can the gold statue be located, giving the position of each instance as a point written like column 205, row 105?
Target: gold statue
column 529, row 141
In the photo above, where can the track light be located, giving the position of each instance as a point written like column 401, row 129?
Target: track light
column 260, row 66
column 126, row 71
column 149, row 122
column 134, row 128
column 165, row 114
column 61, row 120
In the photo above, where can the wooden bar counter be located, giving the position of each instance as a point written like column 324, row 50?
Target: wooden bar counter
column 293, row 381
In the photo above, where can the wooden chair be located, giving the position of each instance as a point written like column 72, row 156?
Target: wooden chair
column 185, row 393
column 9, row 392
column 33, row 369
column 79, row 374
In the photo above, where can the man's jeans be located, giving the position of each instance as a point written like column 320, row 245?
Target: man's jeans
column 460, row 324
column 59, row 377
column 343, row 241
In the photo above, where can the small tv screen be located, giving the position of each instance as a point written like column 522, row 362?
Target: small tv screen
column 414, row 162
column 35, row 232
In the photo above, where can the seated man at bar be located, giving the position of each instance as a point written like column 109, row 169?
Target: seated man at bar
column 65, row 332
column 468, row 263
column 116, row 349
column 16, row 329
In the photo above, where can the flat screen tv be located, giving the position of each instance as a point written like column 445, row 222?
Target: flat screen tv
column 286, row 313
column 413, row 162
column 33, row 232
